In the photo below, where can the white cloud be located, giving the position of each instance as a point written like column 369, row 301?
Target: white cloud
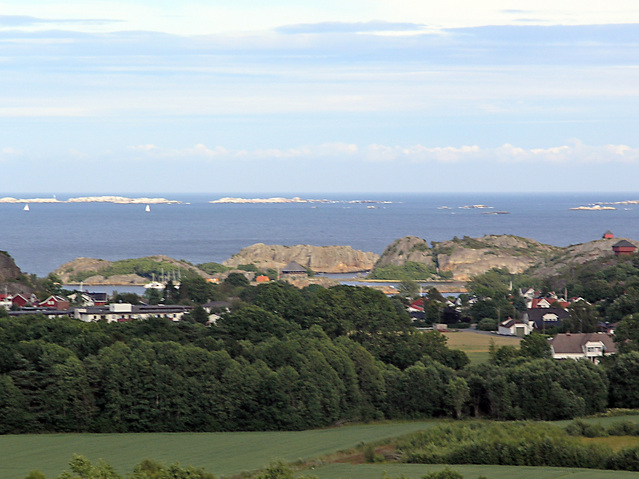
column 574, row 153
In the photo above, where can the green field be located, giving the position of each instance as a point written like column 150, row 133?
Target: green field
column 219, row 453
column 476, row 345
column 416, row 471
column 226, row 454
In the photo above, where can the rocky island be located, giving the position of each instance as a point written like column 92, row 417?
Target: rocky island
column 121, row 200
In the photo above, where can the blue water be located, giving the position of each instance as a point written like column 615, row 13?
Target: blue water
column 49, row 235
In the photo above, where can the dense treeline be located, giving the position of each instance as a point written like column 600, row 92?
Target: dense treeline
column 283, row 359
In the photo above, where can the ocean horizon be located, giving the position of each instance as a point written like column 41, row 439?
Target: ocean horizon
column 51, row 234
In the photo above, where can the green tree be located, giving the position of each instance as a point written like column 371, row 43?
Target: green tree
column 623, row 374
column 458, row 393
column 535, row 346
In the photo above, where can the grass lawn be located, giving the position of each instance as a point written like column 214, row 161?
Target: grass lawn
column 219, row 453
column 416, row 471
column 476, row 345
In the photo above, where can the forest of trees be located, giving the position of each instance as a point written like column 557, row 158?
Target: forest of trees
column 283, row 359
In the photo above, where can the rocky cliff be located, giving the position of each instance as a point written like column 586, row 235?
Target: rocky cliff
column 321, row 259
column 467, row 257
column 8, row 269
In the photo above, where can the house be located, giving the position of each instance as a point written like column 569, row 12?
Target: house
column 99, row 299
column 544, row 318
column 56, row 302
column 590, row 346
column 515, row 327
column 120, row 312
column 417, row 305
column 21, row 300
column 608, row 235
column 294, row 268
column 5, row 301
column 262, row 279
column 623, row 248
column 48, row 312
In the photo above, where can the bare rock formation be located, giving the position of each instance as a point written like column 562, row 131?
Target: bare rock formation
column 321, row 259
column 408, row 248
column 8, row 269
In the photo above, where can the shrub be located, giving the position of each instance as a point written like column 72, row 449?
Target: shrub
column 582, row 428
column 447, row 473
column 487, row 324
column 623, row 428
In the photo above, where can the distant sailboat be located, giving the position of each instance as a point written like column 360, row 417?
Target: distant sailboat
column 148, row 208
column 26, row 207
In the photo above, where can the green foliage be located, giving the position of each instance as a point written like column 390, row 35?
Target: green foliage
column 370, row 455
column 145, row 267
column 81, row 468
column 236, row 279
column 446, row 473
column 410, row 270
column 213, row 268
column 535, row 346
column 487, row 324
column 519, row 444
column 623, row 373
column 579, row 427
column 35, row 475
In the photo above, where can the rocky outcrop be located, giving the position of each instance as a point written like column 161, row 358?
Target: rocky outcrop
column 321, row 259
column 99, row 271
column 577, row 254
column 467, row 257
column 408, row 248
column 8, row 269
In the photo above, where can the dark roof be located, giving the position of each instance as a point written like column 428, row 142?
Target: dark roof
column 294, row 267
column 624, row 244
column 511, row 322
column 536, row 315
column 573, row 343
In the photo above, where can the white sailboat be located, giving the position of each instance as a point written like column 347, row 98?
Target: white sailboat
column 26, row 207
column 154, row 284
column 148, row 208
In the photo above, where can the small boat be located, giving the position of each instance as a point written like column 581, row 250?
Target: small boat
column 26, row 207
column 148, row 208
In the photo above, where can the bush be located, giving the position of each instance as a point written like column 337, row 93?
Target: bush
column 487, row 324
column 623, row 428
column 447, row 473
column 582, row 428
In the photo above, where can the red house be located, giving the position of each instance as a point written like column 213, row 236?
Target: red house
column 57, row 302
column 608, row 235
column 623, row 247
column 20, row 300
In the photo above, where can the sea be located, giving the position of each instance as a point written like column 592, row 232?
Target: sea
column 48, row 235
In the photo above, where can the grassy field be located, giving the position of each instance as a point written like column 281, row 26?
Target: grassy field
column 416, row 471
column 476, row 345
column 226, row 454
column 219, row 453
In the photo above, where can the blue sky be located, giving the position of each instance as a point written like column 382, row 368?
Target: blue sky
column 298, row 96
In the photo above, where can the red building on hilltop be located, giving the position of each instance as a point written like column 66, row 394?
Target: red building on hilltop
column 623, row 247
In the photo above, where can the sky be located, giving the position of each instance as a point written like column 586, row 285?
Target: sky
column 309, row 97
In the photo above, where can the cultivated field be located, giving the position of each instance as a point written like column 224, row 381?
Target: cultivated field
column 219, row 453
column 226, row 454
column 476, row 345
column 416, row 471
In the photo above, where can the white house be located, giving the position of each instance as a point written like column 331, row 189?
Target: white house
column 119, row 312
column 591, row 346
column 515, row 327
